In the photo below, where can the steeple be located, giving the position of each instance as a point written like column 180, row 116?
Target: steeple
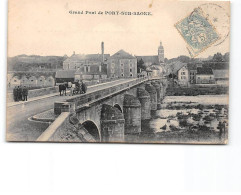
column 161, row 53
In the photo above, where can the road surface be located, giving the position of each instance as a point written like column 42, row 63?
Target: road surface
column 20, row 128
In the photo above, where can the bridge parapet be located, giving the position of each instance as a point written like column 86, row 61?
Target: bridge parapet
column 127, row 104
column 84, row 100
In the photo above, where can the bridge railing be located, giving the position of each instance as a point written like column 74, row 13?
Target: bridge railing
column 81, row 100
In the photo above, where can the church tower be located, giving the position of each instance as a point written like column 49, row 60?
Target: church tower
column 161, row 53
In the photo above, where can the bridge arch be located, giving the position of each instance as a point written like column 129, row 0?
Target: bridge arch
column 92, row 128
column 118, row 107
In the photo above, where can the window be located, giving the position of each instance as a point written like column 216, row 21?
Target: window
column 130, row 65
column 122, row 64
column 130, row 70
column 183, row 73
column 131, row 75
column 122, row 75
column 122, row 70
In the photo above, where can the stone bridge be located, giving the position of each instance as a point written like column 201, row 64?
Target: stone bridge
column 109, row 114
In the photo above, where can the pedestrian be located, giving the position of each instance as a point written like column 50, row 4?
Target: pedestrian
column 80, row 86
column 69, row 84
column 72, row 89
column 18, row 93
column 84, row 87
column 224, row 129
column 25, row 93
column 220, row 127
column 15, row 94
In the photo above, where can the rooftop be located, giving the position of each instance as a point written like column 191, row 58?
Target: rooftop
column 221, row 74
column 122, row 55
column 91, row 57
column 207, row 71
column 153, row 59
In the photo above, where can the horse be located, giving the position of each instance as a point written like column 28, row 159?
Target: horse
column 63, row 87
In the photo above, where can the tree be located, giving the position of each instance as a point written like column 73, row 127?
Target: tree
column 140, row 65
column 183, row 59
column 218, row 57
column 226, row 57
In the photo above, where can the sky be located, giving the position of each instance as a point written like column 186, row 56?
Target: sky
column 47, row 28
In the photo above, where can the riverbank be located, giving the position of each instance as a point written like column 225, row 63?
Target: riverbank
column 195, row 90
column 189, row 120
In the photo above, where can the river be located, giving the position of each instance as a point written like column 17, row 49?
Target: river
column 188, row 119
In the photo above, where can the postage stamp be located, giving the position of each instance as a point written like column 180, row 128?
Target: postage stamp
column 197, row 31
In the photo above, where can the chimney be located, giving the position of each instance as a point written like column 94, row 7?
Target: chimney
column 102, row 52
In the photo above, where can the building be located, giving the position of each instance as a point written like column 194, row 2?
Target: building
column 155, row 71
column 174, row 67
column 31, row 79
column 221, row 77
column 122, row 65
column 192, row 68
column 65, row 76
column 89, row 66
column 94, row 73
column 161, row 53
column 183, row 75
column 155, row 61
column 204, row 76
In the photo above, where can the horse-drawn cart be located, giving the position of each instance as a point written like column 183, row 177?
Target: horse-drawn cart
column 77, row 88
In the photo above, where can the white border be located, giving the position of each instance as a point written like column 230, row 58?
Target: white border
column 33, row 168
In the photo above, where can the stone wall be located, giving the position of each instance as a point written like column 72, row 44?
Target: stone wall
column 52, row 133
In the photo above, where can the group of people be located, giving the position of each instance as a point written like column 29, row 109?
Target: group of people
column 20, row 93
column 77, row 87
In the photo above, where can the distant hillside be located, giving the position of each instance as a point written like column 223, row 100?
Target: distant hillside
column 217, row 61
column 35, row 63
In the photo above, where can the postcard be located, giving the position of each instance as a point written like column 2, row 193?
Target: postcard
column 111, row 71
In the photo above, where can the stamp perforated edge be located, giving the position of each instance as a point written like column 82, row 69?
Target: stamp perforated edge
column 190, row 50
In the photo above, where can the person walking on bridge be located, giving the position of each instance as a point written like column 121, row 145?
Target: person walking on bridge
column 25, row 93
column 84, row 87
column 19, row 93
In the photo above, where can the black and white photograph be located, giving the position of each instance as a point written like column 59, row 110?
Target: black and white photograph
column 107, row 80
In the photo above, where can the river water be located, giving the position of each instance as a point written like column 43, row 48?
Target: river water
column 187, row 119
